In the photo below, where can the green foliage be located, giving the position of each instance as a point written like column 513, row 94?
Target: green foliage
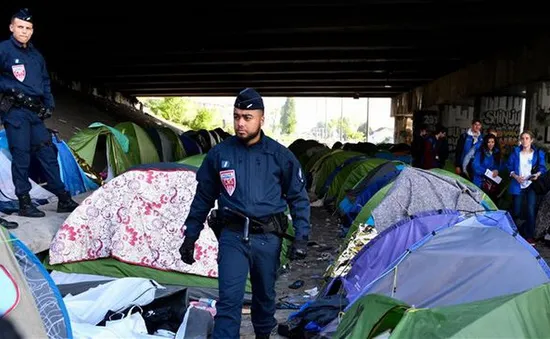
column 288, row 117
column 185, row 112
column 344, row 126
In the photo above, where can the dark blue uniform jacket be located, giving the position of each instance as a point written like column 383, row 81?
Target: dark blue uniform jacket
column 257, row 181
column 24, row 69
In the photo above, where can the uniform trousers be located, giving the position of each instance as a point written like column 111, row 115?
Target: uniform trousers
column 236, row 259
column 27, row 135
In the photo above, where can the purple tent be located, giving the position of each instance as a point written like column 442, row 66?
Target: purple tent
column 377, row 255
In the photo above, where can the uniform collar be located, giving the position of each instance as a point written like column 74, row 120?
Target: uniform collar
column 18, row 44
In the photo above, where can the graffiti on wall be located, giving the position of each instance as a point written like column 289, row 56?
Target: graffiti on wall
column 506, row 122
column 429, row 118
column 453, row 133
column 504, row 115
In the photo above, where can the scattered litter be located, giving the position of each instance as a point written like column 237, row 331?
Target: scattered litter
column 246, row 310
column 285, row 305
column 297, row 284
column 316, row 276
column 325, row 256
column 312, row 292
column 313, row 243
column 296, row 299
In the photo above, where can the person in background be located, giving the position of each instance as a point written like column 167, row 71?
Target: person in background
column 417, row 146
column 472, row 138
column 526, row 164
column 443, row 148
column 487, row 157
column 431, row 155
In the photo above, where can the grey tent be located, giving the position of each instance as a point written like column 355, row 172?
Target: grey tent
column 417, row 190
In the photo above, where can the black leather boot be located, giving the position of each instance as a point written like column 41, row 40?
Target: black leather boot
column 27, row 209
column 10, row 225
column 65, row 203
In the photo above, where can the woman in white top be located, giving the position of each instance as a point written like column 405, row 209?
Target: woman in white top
column 526, row 163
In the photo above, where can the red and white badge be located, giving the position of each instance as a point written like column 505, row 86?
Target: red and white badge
column 19, row 72
column 229, row 181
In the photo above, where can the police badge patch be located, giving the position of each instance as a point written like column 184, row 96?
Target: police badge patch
column 229, row 181
column 19, row 72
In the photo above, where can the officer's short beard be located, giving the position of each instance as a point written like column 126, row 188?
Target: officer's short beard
column 251, row 136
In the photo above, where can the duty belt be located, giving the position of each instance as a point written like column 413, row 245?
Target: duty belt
column 240, row 222
column 22, row 100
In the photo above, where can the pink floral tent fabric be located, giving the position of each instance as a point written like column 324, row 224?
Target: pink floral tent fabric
column 138, row 218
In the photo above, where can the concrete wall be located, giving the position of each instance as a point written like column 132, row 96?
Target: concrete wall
column 537, row 111
column 457, row 119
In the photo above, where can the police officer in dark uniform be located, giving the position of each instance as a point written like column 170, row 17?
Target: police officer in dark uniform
column 26, row 100
column 254, row 179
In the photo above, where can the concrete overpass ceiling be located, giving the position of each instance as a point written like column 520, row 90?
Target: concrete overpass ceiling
column 333, row 48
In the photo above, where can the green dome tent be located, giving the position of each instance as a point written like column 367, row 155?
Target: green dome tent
column 142, row 150
column 519, row 315
column 194, row 160
column 102, row 147
column 354, row 170
column 328, row 166
column 357, row 175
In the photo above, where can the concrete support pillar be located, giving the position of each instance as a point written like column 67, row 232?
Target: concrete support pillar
column 504, row 114
column 401, row 111
column 402, row 130
column 537, row 110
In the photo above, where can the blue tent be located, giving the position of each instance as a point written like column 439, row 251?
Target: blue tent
column 354, row 201
column 72, row 175
column 75, row 179
column 406, row 158
column 382, row 251
column 479, row 258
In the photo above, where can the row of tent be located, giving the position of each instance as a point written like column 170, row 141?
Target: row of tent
column 418, row 246
column 36, row 303
column 132, row 206
column 111, row 150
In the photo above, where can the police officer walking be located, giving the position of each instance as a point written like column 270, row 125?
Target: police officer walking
column 26, row 100
column 254, row 179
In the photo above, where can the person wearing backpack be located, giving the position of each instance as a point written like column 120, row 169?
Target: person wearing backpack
column 526, row 164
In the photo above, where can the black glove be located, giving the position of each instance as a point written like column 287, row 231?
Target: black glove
column 187, row 250
column 298, row 250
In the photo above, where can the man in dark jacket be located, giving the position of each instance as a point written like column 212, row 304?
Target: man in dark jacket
column 256, row 178
column 25, row 101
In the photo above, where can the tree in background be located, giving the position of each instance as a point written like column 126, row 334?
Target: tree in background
column 361, row 128
column 271, row 125
column 288, row 117
column 349, row 132
column 185, row 112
